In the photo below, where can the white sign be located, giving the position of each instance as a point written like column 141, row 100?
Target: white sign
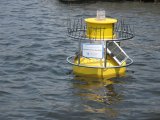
column 92, row 50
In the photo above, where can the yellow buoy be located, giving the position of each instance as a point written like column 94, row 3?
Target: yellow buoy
column 100, row 54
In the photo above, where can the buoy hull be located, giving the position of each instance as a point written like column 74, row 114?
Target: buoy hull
column 98, row 72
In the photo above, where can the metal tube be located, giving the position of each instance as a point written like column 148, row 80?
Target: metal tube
column 79, row 52
column 105, row 53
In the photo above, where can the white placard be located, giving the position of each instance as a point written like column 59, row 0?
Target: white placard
column 92, row 50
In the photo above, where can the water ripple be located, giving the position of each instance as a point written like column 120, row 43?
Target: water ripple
column 36, row 83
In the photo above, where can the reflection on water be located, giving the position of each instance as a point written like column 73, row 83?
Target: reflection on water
column 100, row 91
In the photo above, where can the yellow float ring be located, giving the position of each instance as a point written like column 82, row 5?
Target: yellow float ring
column 86, row 68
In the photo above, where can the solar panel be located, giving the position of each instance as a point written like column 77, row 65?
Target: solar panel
column 117, row 53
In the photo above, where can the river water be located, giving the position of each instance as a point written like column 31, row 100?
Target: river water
column 36, row 83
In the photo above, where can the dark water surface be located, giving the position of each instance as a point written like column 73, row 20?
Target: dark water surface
column 36, row 82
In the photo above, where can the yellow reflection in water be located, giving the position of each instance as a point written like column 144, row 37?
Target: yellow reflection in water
column 101, row 91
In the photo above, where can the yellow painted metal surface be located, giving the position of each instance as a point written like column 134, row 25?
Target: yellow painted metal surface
column 100, row 29
column 104, row 21
column 98, row 72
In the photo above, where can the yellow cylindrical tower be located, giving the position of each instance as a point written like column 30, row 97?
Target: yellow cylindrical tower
column 100, row 29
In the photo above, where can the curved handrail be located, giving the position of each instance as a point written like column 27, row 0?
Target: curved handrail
column 77, row 30
column 72, row 63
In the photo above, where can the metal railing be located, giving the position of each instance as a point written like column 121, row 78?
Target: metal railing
column 71, row 59
column 77, row 29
